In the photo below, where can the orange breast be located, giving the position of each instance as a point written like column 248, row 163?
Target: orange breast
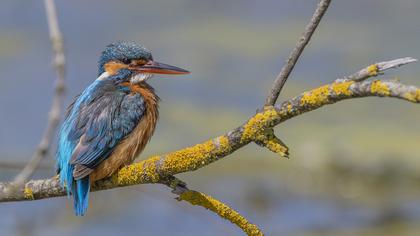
column 133, row 144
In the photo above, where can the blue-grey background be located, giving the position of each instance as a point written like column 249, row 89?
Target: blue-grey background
column 354, row 167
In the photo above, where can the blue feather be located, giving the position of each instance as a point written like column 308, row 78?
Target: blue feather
column 122, row 51
column 67, row 141
column 81, row 196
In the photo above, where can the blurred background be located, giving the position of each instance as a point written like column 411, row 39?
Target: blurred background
column 354, row 166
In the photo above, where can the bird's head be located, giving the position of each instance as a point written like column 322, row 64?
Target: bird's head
column 133, row 59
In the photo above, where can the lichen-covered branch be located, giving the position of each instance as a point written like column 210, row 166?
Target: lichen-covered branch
column 157, row 168
column 200, row 199
column 224, row 211
column 269, row 140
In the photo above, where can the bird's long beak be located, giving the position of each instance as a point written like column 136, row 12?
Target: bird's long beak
column 153, row 67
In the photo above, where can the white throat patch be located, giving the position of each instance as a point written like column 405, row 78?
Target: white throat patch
column 137, row 78
column 103, row 76
column 140, row 77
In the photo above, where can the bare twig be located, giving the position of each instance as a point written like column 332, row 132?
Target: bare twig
column 200, row 199
column 295, row 54
column 377, row 69
column 13, row 165
column 156, row 168
column 57, row 103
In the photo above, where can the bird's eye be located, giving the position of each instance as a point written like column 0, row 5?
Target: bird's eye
column 126, row 61
column 141, row 62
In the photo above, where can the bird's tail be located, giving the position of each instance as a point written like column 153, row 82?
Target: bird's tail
column 80, row 192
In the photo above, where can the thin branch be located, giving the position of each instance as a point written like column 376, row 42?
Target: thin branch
column 297, row 51
column 15, row 165
column 200, row 199
column 57, row 103
column 377, row 69
column 156, row 168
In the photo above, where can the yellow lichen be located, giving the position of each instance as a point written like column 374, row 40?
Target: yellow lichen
column 224, row 211
column 410, row 97
column 275, row 145
column 316, row 96
column 342, row 88
column 289, row 107
column 224, row 145
column 373, row 70
column 187, row 159
column 28, row 193
column 413, row 96
column 257, row 124
column 126, row 175
column 141, row 172
column 193, row 157
column 378, row 87
column 418, row 95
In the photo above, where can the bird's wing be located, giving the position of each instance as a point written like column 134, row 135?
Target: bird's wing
column 100, row 126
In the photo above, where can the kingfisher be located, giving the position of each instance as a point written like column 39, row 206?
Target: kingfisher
column 108, row 125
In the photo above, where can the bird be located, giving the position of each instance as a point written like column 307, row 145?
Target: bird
column 108, row 124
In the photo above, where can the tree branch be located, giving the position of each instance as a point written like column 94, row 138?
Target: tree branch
column 57, row 103
column 200, row 199
column 377, row 69
column 296, row 52
column 156, row 168
column 19, row 165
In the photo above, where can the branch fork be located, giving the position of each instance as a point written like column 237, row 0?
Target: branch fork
column 261, row 132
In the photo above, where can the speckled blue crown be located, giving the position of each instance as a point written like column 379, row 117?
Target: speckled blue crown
column 122, row 51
